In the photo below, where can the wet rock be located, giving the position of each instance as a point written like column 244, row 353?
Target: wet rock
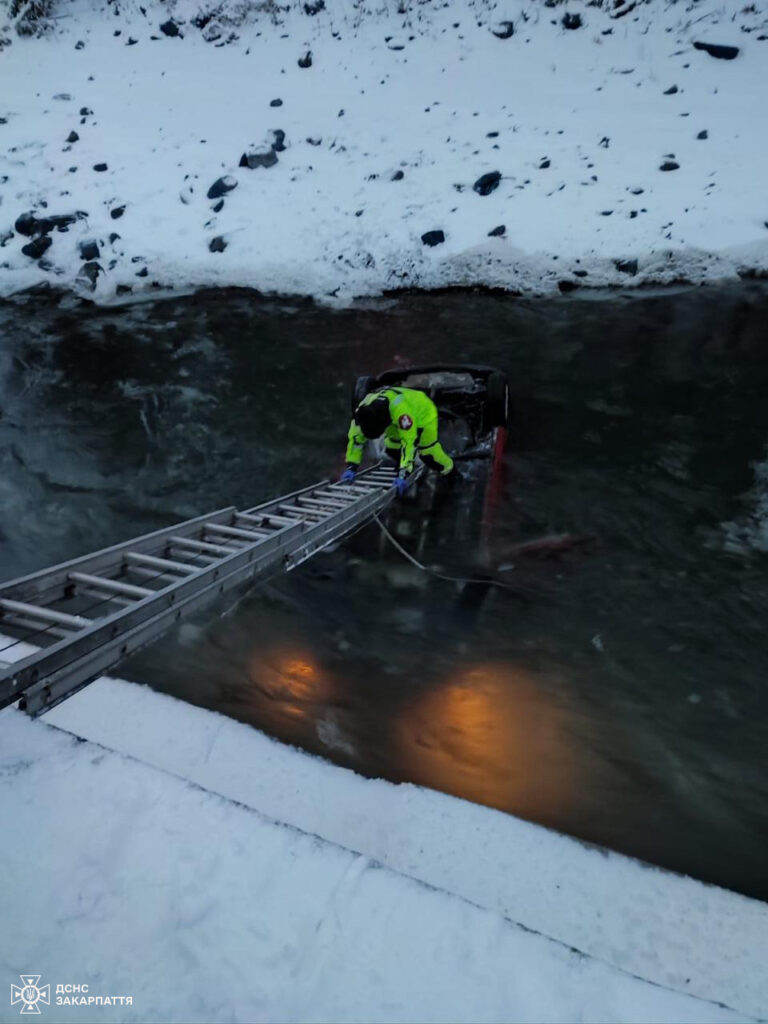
column 263, row 157
column 100, row 167
column 433, row 238
column 217, row 244
column 503, row 29
column 670, row 91
column 306, row 60
column 117, row 213
column 715, row 50
column 626, row 266
column 276, row 102
column 37, row 247
column 89, row 274
column 170, row 28
column 703, row 134
column 397, row 176
column 486, row 183
column 73, row 137
column 571, row 21
column 89, row 250
column 669, row 165
column 497, row 232
column 221, row 186
column 28, row 224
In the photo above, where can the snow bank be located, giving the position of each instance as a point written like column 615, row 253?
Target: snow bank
column 389, row 122
column 672, row 931
column 203, row 910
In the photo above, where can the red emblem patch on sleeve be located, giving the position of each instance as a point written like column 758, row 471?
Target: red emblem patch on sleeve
column 405, row 422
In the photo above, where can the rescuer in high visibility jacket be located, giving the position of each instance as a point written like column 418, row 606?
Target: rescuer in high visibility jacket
column 408, row 420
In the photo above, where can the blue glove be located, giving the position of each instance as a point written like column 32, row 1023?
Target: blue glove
column 347, row 477
column 400, row 485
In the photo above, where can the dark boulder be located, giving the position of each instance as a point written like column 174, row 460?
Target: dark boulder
column 721, row 52
column 89, row 250
column 703, row 134
column 170, row 28
column 89, row 274
column 486, row 183
column 572, row 21
column 397, row 176
column 276, row 103
column 314, row 8
column 217, row 244
column 28, row 224
column 144, row 272
column 504, row 30
column 265, row 157
column 278, row 140
column 73, row 137
column 669, row 165
column 218, row 207
column 85, row 111
column 221, row 186
column 626, row 266
column 433, row 238
column 670, row 91
column 100, row 167
column 306, row 60
column 498, row 232
column 37, row 247
column 117, row 212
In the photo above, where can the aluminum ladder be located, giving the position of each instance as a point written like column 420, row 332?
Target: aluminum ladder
column 85, row 616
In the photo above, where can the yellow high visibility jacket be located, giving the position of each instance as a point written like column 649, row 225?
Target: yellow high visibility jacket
column 410, row 413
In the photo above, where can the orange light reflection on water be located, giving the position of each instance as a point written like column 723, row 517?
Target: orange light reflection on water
column 292, row 679
column 494, row 735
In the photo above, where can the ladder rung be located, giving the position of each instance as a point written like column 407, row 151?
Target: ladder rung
column 298, row 511
column 34, row 611
column 283, row 520
column 111, row 586
column 199, row 545
column 134, row 558
column 257, row 521
column 232, row 531
column 326, row 503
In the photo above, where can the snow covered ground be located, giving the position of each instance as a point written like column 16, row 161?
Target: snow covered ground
column 388, row 126
column 164, row 852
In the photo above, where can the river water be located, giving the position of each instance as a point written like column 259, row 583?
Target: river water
column 614, row 689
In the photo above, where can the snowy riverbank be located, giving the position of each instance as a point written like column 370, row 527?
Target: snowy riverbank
column 215, row 874
column 371, row 131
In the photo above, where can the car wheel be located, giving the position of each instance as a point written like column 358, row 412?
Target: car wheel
column 496, row 401
column 362, row 387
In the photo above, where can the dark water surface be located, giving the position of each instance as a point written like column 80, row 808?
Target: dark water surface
column 617, row 693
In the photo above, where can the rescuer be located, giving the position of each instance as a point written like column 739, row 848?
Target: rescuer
column 408, row 420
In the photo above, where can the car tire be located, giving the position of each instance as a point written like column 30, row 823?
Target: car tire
column 496, row 401
column 362, row 387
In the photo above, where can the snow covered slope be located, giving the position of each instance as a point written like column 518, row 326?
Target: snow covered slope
column 432, row 126
column 112, row 836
